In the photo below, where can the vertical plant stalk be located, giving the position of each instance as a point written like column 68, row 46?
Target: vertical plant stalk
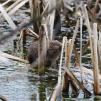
column 67, row 80
column 24, row 50
column 89, row 31
column 96, row 69
column 41, row 51
column 99, row 52
column 77, row 57
column 52, row 4
column 72, row 42
column 94, row 56
column 58, row 88
column 35, row 13
column 61, row 58
column 66, row 42
column 81, row 23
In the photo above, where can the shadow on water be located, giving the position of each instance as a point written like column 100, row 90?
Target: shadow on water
column 44, row 84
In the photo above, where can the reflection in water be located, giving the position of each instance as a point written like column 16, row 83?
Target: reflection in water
column 14, row 85
column 44, row 87
column 19, row 84
column 42, row 95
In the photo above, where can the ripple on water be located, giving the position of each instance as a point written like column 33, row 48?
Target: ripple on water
column 16, row 83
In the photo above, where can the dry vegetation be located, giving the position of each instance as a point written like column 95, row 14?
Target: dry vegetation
column 63, row 31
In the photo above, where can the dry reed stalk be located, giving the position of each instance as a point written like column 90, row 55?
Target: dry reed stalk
column 44, row 47
column 93, row 19
column 95, row 68
column 56, row 93
column 13, row 57
column 81, row 24
column 70, row 74
column 17, row 7
column 73, row 78
column 99, row 52
column 94, row 56
column 23, row 43
column 95, row 7
column 65, row 87
column 77, row 57
column 89, row 31
column 35, row 15
column 46, row 31
column 13, row 5
column 51, row 24
column 7, row 17
column 66, row 43
column 45, row 9
column 67, row 80
column 61, row 58
column 40, row 51
column 65, row 84
column 58, row 88
column 33, row 33
column 72, row 42
column 68, row 52
column 6, row 2
column 51, row 17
